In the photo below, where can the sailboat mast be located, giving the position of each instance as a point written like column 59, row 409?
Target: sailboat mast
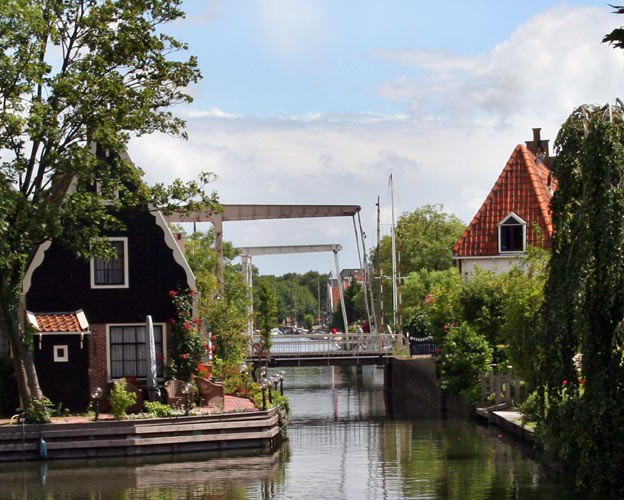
column 394, row 261
column 380, row 323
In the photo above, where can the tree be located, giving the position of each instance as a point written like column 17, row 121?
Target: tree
column 425, row 238
column 581, row 347
column 75, row 73
column 354, row 305
column 294, row 299
column 616, row 37
column 266, row 314
column 226, row 314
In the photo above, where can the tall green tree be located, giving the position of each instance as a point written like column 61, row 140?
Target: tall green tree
column 73, row 73
column 581, row 347
column 225, row 314
column 425, row 239
column 266, row 313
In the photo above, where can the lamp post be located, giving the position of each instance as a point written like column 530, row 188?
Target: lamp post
column 263, row 388
column 281, row 382
column 186, row 390
column 270, row 383
column 96, row 396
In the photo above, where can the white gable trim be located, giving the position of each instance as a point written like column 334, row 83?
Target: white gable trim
column 515, row 216
column 178, row 256
column 34, row 264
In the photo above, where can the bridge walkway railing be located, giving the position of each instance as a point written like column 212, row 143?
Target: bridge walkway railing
column 308, row 346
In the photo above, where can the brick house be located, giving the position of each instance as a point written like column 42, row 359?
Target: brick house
column 515, row 214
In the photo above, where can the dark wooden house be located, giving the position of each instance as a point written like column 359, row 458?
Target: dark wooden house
column 89, row 316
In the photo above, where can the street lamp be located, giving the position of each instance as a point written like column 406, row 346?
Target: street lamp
column 281, row 382
column 96, row 395
column 186, row 390
column 263, row 385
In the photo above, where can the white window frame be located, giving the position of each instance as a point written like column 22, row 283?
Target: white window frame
column 61, row 359
column 524, row 234
column 126, row 283
column 108, row 354
column 106, row 201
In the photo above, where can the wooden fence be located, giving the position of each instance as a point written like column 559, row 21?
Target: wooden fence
column 501, row 385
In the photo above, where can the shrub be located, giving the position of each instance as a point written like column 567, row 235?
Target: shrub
column 121, row 399
column 465, row 355
column 158, row 409
column 38, row 411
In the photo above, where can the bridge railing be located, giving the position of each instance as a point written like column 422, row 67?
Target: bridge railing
column 328, row 345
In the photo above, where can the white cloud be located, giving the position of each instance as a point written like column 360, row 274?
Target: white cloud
column 546, row 67
column 465, row 118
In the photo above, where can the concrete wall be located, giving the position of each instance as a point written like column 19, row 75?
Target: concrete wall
column 413, row 389
column 414, row 386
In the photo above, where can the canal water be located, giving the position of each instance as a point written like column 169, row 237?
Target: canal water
column 345, row 442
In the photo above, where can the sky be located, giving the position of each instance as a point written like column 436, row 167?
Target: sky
column 319, row 101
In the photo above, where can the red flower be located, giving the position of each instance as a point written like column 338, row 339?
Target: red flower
column 193, row 292
column 206, row 346
column 582, row 381
column 214, row 338
column 446, row 327
column 187, row 325
column 184, row 356
column 172, row 321
column 438, row 351
column 196, row 321
column 214, row 348
column 173, row 293
column 565, row 382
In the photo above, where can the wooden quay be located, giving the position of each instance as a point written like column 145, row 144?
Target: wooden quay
column 140, row 437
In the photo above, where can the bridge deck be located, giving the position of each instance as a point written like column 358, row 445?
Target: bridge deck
column 326, row 349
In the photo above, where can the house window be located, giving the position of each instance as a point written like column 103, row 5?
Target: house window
column 112, row 272
column 106, row 201
column 129, row 351
column 60, row 353
column 512, row 234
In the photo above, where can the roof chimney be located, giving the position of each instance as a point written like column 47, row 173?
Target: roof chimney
column 539, row 147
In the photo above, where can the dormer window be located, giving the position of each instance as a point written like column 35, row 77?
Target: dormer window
column 512, row 234
column 112, row 272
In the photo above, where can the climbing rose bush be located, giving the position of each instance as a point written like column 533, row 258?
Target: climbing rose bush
column 188, row 340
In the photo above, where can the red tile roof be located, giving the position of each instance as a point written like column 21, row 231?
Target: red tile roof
column 524, row 187
column 58, row 322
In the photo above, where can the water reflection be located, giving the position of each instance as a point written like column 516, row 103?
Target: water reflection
column 341, row 444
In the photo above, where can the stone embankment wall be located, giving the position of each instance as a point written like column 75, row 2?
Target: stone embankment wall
column 413, row 386
column 414, row 389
